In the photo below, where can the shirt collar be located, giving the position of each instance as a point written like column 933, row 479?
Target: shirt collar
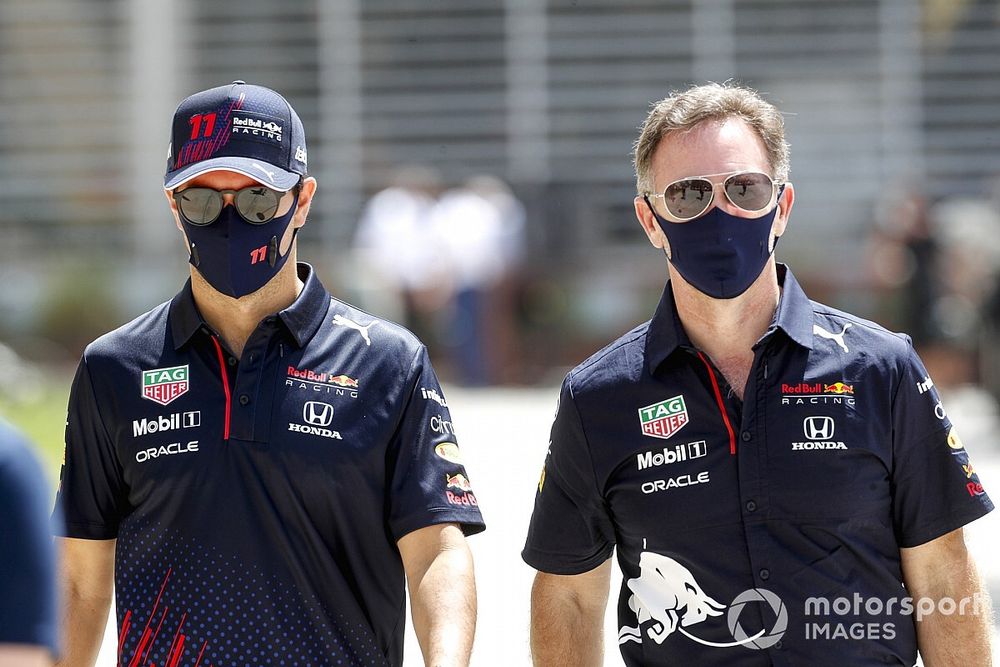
column 795, row 312
column 302, row 319
column 794, row 317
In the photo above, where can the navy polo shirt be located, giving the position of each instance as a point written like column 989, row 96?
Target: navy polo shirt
column 729, row 515
column 257, row 501
column 27, row 558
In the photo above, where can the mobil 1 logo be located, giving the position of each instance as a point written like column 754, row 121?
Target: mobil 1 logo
column 166, row 423
column 671, row 454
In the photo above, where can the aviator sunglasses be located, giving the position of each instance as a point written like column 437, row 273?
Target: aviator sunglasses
column 749, row 191
column 257, row 204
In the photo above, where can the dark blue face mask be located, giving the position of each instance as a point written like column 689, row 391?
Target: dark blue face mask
column 720, row 254
column 235, row 257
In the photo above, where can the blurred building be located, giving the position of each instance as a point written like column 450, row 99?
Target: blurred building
column 545, row 94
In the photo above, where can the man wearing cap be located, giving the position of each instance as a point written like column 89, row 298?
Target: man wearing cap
column 256, row 462
column 779, row 479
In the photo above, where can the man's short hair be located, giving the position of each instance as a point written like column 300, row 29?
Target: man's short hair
column 682, row 111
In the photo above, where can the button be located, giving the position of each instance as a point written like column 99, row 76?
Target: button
column 244, row 399
column 765, row 574
column 232, row 361
column 778, row 645
column 205, row 331
column 253, row 357
column 746, row 436
column 751, row 506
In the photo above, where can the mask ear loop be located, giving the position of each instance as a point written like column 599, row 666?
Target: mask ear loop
column 777, row 237
column 273, row 254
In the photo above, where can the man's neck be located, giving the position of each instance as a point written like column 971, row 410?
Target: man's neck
column 236, row 319
column 727, row 329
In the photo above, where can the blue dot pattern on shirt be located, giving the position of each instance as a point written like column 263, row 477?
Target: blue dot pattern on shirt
column 183, row 603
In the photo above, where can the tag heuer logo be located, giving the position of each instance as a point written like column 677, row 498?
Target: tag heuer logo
column 664, row 419
column 163, row 385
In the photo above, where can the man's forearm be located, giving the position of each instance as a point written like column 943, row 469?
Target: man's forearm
column 564, row 632
column 961, row 637
column 443, row 605
column 84, row 620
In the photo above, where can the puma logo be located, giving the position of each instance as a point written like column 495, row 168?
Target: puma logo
column 823, row 333
column 342, row 321
column 270, row 174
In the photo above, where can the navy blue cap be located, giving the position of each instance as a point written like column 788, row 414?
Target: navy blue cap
column 240, row 127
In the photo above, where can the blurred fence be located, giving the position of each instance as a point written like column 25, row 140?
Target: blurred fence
column 546, row 94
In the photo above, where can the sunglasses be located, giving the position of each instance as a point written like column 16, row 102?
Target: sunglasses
column 749, row 191
column 256, row 204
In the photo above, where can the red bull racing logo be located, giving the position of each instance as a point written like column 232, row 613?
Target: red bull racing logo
column 322, row 382
column 664, row 419
column 462, row 494
column 817, row 393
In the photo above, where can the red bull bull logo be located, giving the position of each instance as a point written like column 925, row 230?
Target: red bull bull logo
column 666, row 598
column 462, row 494
column 344, row 381
column 838, row 388
column 459, row 482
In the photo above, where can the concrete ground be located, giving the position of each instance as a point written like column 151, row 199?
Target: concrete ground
column 504, row 434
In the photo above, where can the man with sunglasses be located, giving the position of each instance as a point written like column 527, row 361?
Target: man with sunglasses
column 257, row 466
column 757, row 459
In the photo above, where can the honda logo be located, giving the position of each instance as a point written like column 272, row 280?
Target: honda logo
column 316, row 413
column 818, row 428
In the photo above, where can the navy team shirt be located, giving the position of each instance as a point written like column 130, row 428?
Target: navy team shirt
column 27, row 557
column 257, row 501
column 727, row 514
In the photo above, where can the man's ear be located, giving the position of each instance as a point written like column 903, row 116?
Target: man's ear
column 173, row 208
column 307, row 190
column 785, row 201
column 650, row 225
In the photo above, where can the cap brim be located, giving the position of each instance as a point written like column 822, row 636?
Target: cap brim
column 264, row 172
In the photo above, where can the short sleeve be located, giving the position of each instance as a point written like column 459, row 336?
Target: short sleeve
column 92, row 497
column 571, row 531
column 429, row 483
column 27, row 557
column 935, row 487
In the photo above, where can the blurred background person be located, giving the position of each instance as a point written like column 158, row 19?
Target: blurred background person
column 479, row 229
column 28, row 627
column 397, row 255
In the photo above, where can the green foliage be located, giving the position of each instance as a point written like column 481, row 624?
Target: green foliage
column 77, row 308
column 42, row 418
